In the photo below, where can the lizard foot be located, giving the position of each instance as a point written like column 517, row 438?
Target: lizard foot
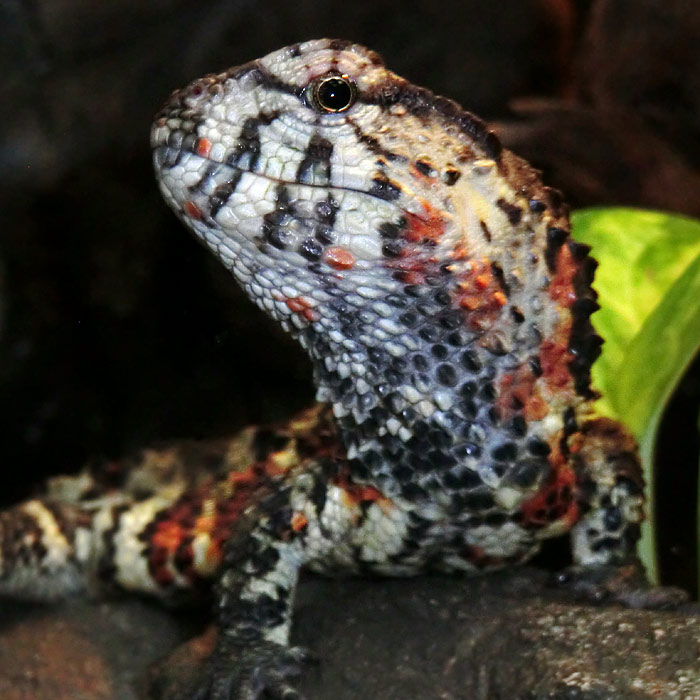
column 234, row 671
column 625, row 584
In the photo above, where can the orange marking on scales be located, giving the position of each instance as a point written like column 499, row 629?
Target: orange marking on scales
column 561, row 288
column 554, row 505
column 518, row 391
column 203, row 147
column 303, row 307
column 204, row 524
column 299, row 522
column 214, row 551
column 256, row 473
column 355, row 494
column 193, row 211
column 479, row 293
column 482, row 281
column 359, row 493
column 338, row 258
column 429, row 227
column 460, row 252
column 555, row 357
column 168, row 535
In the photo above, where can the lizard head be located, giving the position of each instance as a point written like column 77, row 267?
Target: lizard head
column 317, row 169
column 387, row 229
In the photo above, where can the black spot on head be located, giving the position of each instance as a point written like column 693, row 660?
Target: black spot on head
column 316, row 165
column 516, row 314
column 392, row 249
column 485, row 230
column 324, row 234
column 500, row 278
column 310, row 249
column 383, row 188
column 275, row 236
column 450, row 176
column 222, row 193
column 391, row 230
column 274, row 223
column 248, row 142
column 326, row 211
column 512, row 211
column 425, row 168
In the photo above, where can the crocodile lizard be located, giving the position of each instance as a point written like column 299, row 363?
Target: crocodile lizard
column 432, row 280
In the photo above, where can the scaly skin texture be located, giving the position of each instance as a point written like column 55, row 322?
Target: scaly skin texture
column 431, row 278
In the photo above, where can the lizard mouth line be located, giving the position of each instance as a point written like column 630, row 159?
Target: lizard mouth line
column 385, row 190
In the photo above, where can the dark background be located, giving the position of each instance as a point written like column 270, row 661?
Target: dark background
column 118, row 330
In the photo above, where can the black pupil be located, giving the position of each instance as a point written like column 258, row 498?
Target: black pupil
column 334, row 94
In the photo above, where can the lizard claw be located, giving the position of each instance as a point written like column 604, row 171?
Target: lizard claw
column 237, row 672
column 625, row 584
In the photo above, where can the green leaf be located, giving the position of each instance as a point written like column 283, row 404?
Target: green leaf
column 648, row 283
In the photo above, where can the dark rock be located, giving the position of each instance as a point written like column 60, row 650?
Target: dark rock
column 505, row 635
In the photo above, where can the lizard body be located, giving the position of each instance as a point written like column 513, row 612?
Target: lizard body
column 431, row 278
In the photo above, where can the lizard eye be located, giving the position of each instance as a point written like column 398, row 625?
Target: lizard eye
column 334, row 93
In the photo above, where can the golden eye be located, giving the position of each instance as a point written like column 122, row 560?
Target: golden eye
column 334, row 93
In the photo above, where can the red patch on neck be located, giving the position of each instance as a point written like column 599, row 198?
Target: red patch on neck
column 420, row 229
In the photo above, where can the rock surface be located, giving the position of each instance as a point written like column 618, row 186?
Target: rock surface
column 506, row 635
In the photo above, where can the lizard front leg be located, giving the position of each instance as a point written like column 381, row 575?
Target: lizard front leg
column 307, row 517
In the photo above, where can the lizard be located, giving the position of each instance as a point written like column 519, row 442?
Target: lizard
column 433, row 282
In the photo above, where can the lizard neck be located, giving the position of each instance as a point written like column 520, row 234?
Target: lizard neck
column 411, row 378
